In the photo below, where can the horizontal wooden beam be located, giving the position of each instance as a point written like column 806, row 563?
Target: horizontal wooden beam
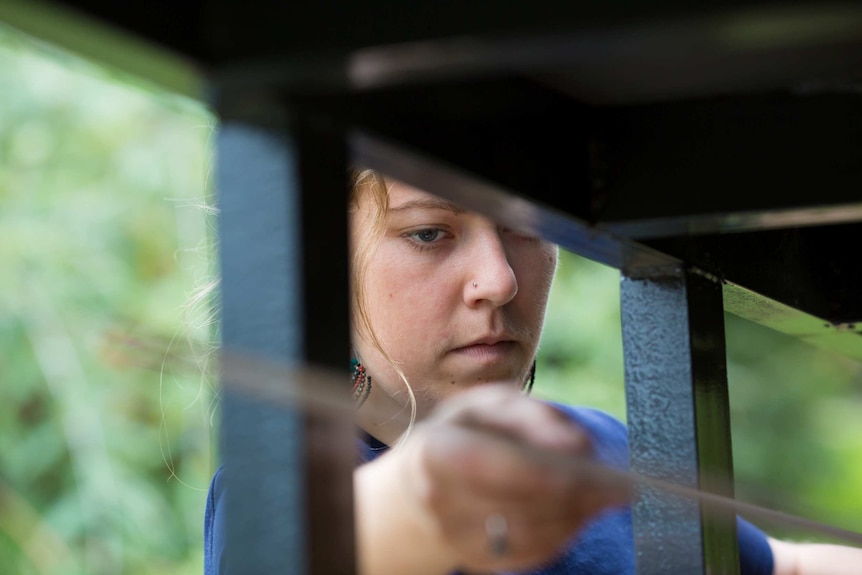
column 102, row 40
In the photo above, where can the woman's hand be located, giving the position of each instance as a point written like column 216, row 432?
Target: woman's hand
column 462, row 491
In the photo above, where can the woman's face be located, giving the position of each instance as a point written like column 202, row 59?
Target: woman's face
column 454, row 299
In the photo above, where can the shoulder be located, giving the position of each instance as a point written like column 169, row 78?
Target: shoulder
column 214, row 524
column 595, row 420
column 216, row 492
column 608, row 434
column 755, row 553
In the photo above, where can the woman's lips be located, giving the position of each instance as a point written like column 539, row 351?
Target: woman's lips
column 487, row 352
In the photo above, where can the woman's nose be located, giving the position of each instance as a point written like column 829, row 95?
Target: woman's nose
column 490, row 276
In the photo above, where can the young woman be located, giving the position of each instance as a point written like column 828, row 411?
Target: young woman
column 448, row 310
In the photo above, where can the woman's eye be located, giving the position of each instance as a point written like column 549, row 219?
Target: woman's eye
column 427, row 235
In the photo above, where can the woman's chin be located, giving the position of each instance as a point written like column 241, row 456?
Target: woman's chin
column 478, row 381
column 509, row 372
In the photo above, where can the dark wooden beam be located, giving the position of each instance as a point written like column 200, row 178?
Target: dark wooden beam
column 282, row 183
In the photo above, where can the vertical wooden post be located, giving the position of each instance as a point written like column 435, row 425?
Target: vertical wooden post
column 282, row 188
column 678, row 420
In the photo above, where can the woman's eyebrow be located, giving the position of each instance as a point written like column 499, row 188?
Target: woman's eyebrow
column 428, row 204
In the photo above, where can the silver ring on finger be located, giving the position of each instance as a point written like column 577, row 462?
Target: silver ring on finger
column 497, row 530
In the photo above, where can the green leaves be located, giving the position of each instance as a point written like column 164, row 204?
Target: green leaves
column 795, row 408
column 102, row 240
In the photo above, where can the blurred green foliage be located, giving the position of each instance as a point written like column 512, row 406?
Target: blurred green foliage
column 795, row 409
column 106, row 410
column 104, row 429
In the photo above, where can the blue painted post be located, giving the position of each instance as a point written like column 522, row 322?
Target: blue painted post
column 282, row 189
column 678, row 420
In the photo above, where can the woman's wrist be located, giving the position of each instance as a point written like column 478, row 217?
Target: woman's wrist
column 396, row 534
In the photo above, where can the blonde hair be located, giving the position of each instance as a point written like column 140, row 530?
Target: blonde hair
column 371, row 184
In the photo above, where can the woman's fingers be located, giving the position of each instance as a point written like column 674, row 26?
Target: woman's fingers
column 497, row 466
column 500, row 409
column 504, row 445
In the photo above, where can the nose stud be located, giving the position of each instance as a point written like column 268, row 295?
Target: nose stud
column 475, row 285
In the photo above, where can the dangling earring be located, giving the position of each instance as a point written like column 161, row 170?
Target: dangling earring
column 531, row 378
column 361, row 382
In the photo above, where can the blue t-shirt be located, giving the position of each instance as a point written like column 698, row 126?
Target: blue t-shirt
column 604, row 547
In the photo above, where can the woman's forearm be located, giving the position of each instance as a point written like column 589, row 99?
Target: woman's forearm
column 393, row 537
column 815, row 559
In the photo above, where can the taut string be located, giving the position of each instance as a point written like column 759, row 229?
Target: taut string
column 326, row 391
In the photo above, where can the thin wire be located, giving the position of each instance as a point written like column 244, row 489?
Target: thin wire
column 324, row 390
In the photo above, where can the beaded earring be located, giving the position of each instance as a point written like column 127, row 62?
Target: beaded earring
column 361, row 382
column 531, row 378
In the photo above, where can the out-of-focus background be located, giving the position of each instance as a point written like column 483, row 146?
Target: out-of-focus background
column 108, row 408
column 105, row 410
